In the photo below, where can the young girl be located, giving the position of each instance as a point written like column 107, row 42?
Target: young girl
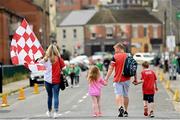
column 95, row 85
column 149, row 87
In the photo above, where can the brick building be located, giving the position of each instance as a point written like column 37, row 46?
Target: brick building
column 135, row 27
column 35, row 15
column 8, row 21
column 69, row 5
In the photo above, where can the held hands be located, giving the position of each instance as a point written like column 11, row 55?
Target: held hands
column 135, row 82
column 105, row 83
column 156, row 89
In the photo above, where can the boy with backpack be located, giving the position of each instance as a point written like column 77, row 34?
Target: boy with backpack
column 121, row 82
column 149, row 86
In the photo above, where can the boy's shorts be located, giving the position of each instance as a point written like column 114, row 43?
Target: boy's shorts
column 148, row 97
column 121, row 88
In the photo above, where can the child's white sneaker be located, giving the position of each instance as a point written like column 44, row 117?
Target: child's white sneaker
column 55, row 115
column 48, row 113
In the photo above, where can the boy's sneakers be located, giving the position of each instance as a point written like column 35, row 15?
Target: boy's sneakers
column 48, row 114
column 121, row 112
column 145, row 111
column 125, row 114
column 151, row 114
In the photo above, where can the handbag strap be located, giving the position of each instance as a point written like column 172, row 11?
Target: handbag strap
column 59, row 63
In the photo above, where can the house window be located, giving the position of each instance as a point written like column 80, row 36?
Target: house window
column 75, row 33
column 139, row 2
column 135, row 31
column 64, row 34
column 68, row 2
column 109, row 32
column 145, row 31
column 93, row 35
column 155, row 31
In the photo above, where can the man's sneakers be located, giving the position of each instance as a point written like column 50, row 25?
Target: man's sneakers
column 121, row 112
column 125, row 114
column 145, row 111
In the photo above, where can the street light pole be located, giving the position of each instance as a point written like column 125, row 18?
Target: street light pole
column 165, row 21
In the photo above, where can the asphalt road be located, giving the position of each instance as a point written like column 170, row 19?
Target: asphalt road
column 75, row 104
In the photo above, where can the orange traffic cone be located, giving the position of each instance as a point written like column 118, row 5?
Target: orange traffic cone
column 176, row 96
column 4, row 101
column 167, row 84
column 36, row 89
column 21, row 94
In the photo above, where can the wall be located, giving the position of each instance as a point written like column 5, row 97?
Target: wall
column 70, row 42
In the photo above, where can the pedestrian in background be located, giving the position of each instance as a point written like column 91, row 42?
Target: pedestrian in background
column 72, row 74
column 149, row 86
column 95, row 85
column 99, row 64
column 121, row 83
column 54, row 64
column 77, row 73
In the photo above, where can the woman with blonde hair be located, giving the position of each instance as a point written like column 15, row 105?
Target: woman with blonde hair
column 54, row 64
column 95, row 84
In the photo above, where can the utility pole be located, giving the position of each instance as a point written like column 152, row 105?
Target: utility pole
column 44, row 40
column 165, row 21
column 1, row 77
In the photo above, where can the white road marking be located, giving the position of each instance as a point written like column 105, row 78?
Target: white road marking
column 67, row 112
column 84, row 97
column 80, row 101
column 74, row 106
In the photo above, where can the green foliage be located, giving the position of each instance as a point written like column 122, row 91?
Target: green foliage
column 14, row 78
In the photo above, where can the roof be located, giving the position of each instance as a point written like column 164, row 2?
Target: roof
column 123, row 16
column 80, row 17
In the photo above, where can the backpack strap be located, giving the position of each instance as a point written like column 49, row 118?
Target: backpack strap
column 123, row 66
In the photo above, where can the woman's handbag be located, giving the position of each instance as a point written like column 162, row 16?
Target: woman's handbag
column 63, row 82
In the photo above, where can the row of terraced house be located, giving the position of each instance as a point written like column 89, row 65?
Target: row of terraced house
column 89, row 31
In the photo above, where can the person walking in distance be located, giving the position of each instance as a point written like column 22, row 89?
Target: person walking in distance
column 121, row 83
column 149, row 86
column 54, row 64
column 72, row 74
column 95, row 84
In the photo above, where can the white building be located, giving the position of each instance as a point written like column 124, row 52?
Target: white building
column 70, row 34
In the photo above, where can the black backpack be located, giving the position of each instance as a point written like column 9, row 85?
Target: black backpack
column 130, row 67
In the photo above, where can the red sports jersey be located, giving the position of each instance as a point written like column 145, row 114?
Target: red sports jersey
column 52, row 73
column 149, row 78
column 118, row 62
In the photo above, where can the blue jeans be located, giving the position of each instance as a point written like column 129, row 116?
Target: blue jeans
column 52, row 91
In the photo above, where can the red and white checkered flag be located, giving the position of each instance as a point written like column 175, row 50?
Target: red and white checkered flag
column 25, row 48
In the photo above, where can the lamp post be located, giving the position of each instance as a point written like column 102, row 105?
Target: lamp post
column 1, row 77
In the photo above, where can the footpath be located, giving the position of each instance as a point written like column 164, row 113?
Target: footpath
column 14, row 86
column 172, row 87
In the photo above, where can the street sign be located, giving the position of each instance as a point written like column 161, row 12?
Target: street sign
column 170, row 42
column 178, row 15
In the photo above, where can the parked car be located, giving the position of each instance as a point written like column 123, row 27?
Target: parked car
column 141, row 57
column 82, row 61
column 101, row 56
column 36, row 77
